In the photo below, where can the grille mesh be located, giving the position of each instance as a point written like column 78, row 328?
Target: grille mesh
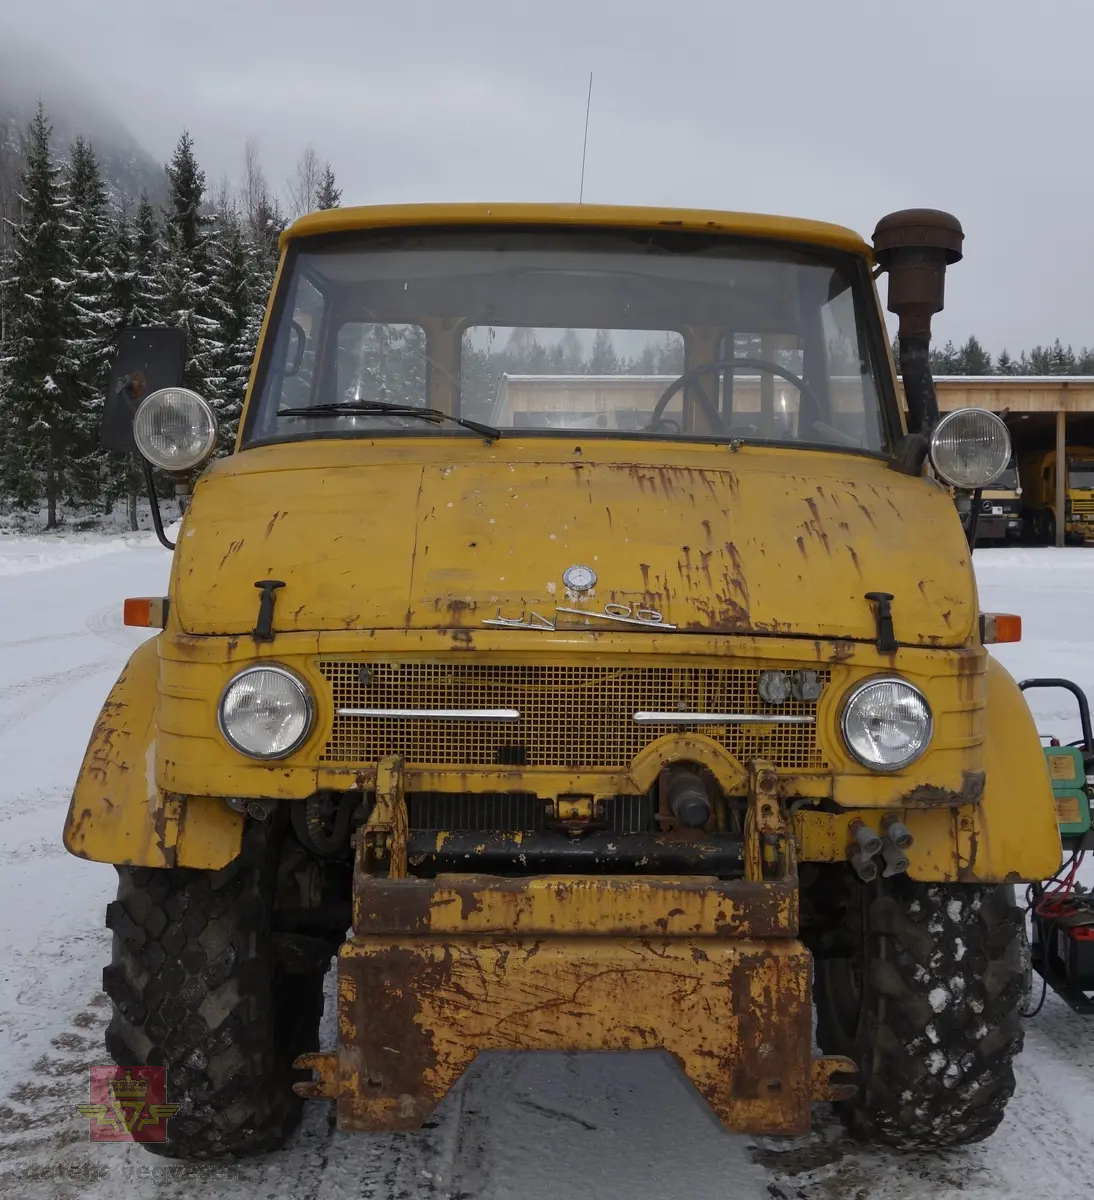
column 435, row 811
column 571, row 717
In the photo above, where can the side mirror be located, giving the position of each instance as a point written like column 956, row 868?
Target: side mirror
column 294, row 351
column 147, row 360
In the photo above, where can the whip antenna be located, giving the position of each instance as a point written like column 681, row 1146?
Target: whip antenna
column 585, row 143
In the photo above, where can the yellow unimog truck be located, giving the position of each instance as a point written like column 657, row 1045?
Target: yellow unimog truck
column 624, row 726
column 1039, row 494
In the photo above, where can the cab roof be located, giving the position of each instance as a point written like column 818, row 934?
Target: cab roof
column 786, row 229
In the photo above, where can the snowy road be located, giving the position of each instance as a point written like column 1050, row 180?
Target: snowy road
column 517, row 1126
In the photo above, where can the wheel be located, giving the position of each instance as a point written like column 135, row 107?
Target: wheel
column 204, row 985
column 1050, row 529
column 925, row 995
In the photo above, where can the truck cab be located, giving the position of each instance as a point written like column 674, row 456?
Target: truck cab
column 1000, row 517
column 1039, row 496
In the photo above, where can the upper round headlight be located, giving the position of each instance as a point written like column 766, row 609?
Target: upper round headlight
column 886, row 723
column 175, row 429
column 970, row 447
column 265, row 712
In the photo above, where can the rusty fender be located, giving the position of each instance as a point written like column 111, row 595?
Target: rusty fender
column 437, row 970
column 117, row 813
column 1000, row 828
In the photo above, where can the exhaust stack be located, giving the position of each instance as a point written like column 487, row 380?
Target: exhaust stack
column 915, row 246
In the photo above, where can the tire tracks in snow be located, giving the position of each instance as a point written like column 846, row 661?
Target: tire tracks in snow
column 44, row 687
column 105, row 623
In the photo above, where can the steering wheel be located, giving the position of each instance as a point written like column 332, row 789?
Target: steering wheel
column 724, row 364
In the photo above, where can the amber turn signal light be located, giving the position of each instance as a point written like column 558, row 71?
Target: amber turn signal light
column 1000, row 627
column 146, row 612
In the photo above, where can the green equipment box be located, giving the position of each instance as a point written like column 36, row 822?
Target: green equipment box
column 1068, row 775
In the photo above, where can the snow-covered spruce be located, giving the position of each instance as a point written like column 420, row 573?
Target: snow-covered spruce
column 201, row 984
column 927, row 1003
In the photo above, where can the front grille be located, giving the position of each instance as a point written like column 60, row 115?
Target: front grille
column 431, row 812
column 1083, row 506
column 571, row 717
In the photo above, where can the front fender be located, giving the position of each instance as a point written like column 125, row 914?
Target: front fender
column 1010, row 835
column 1013, row 834
column 117, row 813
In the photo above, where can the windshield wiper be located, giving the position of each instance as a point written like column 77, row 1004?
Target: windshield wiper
column 364, row 407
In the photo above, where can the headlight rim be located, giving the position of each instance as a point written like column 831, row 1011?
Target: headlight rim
column 309, row 710
column 949, row 418
column 853, row 694
column 209, row 448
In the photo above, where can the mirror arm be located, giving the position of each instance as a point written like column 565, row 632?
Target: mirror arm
column 153, row 500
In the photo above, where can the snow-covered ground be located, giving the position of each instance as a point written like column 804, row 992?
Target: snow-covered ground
column 539, row 1127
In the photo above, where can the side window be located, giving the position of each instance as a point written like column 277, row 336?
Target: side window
column 855, row 410
column 296, row 358
column 384, row 363
column 292, row 371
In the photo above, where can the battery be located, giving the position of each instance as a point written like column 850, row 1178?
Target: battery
column 1071, row 955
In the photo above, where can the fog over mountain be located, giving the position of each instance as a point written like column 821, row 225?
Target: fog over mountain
column 76, row 106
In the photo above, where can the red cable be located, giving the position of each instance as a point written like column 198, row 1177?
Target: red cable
column 1054, row 903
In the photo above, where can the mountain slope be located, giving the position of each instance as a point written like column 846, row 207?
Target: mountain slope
column 75, row 107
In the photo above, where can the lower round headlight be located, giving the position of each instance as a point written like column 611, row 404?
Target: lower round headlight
column 265, row 712
column 970, row 447
column 886, row 723
column 175, row 429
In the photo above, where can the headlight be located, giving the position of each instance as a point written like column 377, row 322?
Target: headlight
column 175, row 429
column 970, row 447
column 265, row 712
column 886, row 723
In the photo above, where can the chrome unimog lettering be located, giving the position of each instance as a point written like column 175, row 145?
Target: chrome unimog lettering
column 534, row 621
column 623, row 614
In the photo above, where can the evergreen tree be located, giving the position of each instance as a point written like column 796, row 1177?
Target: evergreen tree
column 973, row 359
column 122, row 269
column 945, row 361
column 119, row 476
column 88, row 235
column 39, row 416
column 240, row 304
column 328, row 195
column 1005, row 365
column 1061, row 360
column 187, row 279
column 148, row 298
column 604, row 360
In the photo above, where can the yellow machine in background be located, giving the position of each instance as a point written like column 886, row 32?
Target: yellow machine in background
column 1039, row 494
column 575, row 625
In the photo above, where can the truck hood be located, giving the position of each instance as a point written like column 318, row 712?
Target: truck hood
column 444, row 534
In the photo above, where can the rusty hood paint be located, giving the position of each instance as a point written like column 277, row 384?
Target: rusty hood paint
column 443, row 533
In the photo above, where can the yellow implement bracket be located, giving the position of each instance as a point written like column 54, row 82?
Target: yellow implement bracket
column 711, row 971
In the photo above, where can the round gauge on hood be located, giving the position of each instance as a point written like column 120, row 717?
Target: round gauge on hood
column 579, row 579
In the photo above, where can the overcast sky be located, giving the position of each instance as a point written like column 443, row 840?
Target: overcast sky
column 840, row 110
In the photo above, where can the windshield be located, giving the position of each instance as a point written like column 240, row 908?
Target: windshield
column 643, row 335
column 1007, row 482
column 1080, row 475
